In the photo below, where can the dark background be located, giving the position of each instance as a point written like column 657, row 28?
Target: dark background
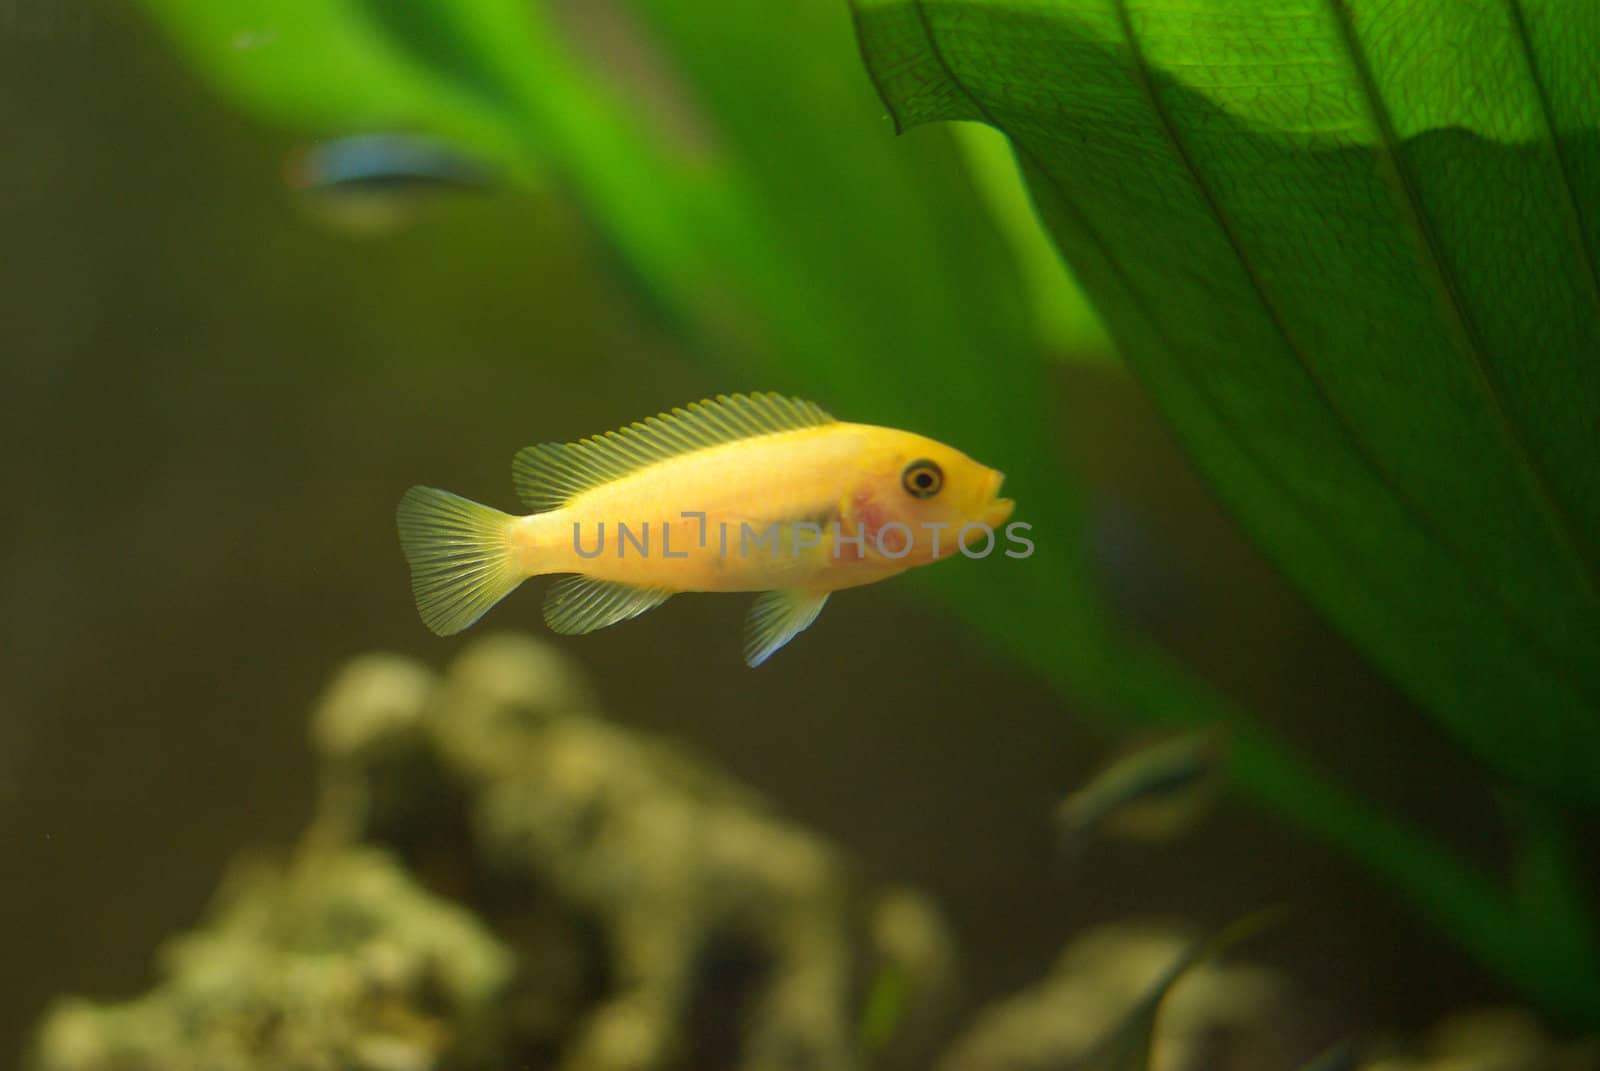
column 210, row 405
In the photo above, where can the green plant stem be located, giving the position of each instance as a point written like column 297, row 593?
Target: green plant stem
column 1557, row 968
column 1125, row 679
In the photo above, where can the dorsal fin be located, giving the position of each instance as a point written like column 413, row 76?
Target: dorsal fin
column 550, row 475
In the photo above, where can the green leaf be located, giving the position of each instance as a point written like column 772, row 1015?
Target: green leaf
column 1548, row 876
column 1350, row 248
column 884, row 288
column 336, row 66
column 1067, row 324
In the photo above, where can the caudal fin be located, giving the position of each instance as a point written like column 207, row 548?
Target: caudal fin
column 460, row 555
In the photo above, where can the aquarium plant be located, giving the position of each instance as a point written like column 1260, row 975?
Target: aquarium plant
column 1350, row 249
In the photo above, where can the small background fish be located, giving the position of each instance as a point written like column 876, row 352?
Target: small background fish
column 375, row 183
column 1159, row 790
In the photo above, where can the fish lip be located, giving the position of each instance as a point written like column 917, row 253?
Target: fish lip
column 998, row 509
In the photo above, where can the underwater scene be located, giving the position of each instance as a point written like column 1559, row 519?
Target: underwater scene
column 800, row 535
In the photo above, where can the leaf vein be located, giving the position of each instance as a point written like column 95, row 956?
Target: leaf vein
column 1242, row 441
column 1368, row 457
column 1468, row 337
column 1575, row 213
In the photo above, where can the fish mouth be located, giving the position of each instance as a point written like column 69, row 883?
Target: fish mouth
column 997, row 512
column 998, row 509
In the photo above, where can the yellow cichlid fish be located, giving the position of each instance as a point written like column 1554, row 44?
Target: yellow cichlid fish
column 742, row 493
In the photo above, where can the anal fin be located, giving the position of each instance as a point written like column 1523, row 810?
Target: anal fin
column 776, row 618
column 579, row 604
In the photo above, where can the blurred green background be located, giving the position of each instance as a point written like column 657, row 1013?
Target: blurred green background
column 212, row 403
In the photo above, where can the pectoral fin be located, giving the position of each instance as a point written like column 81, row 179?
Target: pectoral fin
column 579, row 604
column 776, row 618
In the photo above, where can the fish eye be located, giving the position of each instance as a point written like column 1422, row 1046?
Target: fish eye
column 922, row 479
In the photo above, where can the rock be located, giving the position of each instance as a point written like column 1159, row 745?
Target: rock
column 693, row 886
column 498, row 876
column 339, row 963
column 1216, row 1017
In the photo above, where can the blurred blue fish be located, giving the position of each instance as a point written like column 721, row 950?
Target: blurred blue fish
column 387, row 162
column 375, row 182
